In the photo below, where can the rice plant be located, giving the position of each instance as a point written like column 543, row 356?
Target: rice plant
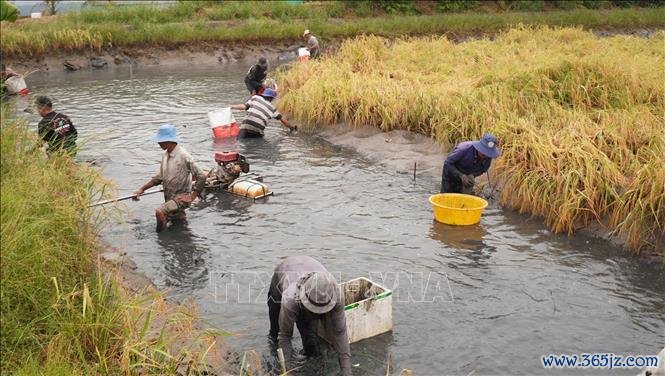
column 580, row 118
column 61, row 312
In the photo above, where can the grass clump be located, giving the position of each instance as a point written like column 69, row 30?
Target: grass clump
column 189, row 22
column 60, row 314
column 580, row 118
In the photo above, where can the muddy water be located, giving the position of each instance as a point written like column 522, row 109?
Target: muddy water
column 490, row 298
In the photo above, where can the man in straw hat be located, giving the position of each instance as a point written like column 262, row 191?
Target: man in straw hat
column 468, row 160
column 175, row 174
column 302, row 291
column 312, row 44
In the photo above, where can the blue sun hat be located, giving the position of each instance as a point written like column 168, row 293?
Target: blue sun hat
column 487, row 145
column 166, row 133
column 269, row 92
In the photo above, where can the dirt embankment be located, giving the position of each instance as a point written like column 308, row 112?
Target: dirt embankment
column 203, row 54
column 219, row 53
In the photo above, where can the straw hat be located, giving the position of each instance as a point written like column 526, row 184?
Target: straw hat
column 318, row 292
column 306, row 33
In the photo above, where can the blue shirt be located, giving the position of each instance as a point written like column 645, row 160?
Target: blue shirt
column 465, row 158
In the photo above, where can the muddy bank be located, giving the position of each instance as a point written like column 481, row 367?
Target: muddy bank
column 201, row 55
column 166, row 316
column 400, row 150
column 220, row 53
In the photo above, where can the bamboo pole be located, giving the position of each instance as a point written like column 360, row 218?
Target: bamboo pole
column 124, row 198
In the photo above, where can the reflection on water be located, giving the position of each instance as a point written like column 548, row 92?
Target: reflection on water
column 183, row 257
column 511, row 290
column 458, row 237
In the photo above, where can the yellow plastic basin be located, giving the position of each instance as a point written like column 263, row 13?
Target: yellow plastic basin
column 457, row 209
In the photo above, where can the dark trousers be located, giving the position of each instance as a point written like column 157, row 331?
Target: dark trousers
column 452, row 184
column 306, row 327
column 253, row 86
column 245, row 133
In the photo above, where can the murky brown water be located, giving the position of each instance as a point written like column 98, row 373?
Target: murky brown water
column 490, row 298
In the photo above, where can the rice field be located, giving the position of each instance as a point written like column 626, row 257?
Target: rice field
column 581, row 119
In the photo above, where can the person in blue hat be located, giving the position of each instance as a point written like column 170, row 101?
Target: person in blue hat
column 175, row 173
column 259, row 110
column 468, row 160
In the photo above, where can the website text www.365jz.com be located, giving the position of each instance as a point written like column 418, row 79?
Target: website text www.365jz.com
column 599, row 361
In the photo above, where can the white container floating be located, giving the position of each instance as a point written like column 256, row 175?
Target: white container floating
column 223, row 123
column 368, row 309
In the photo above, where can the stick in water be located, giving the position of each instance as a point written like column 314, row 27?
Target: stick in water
column 124, row 198
column 282, row 361
column 489, row 183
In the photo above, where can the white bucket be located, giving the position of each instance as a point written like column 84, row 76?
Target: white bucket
column 36, row 15
column 303, row 54
column 16, row 85
column 223, row 124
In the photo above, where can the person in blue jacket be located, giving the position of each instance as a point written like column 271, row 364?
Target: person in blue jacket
column 468, row 160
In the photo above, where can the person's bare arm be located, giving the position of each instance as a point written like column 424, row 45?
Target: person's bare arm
column 241, row 107
column 153, row 182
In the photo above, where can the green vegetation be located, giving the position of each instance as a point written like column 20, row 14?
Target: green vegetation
column 8, row 11
column 60, row 314
column 580, row 118
column 202, row 22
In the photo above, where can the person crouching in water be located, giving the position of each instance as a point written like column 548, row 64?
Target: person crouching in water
column 175, row 174
column 55, row 128
column 468, row 160
column 259, row 110
column 302, row 292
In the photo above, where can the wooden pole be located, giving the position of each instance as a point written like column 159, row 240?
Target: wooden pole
column 124, row 198
column 282, row 361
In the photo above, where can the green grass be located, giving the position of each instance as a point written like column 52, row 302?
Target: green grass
column 60, row 314
column 580, row 118
column 189, row 22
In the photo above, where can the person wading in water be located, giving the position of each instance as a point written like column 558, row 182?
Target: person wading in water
column 259, row 110
column 468, row 160
column 256, row 75
column 302, row 292
column 175, row 174
column 55, row 128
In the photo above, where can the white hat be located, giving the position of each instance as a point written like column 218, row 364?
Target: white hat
column 306, row 32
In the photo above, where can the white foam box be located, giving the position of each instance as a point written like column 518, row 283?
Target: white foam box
column 368, row 309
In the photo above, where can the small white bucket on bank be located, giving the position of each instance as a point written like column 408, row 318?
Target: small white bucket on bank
column 16, row 85
column 303, row 54
column 36, row 15
column 368, row 309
